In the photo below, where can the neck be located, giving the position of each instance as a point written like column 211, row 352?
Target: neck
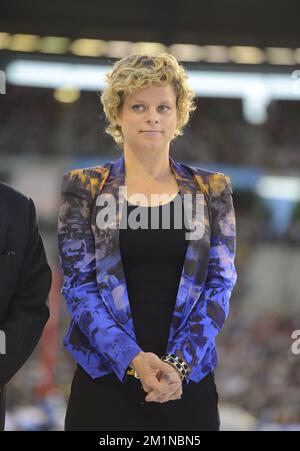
column 147, row 166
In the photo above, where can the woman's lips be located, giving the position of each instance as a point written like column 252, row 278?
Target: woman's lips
column 151, row 133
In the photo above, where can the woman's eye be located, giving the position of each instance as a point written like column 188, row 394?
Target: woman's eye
column 136, row 106
column 140, row 105
column 165, row 106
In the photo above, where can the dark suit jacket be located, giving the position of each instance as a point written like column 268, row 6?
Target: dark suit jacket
column 25, row 281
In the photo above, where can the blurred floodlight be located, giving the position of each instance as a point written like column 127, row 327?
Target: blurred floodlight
column 184, row 52
column 216, row 54
column 4, row 40
column 88, row 47
column 283, row 188
column 24, row 42
column 255, row 105
column 54, row 44
column 66, row 95
column 56, row 75
column 297, row 56
column 118, row 49
column 280, row 55
column 246, row 55
column 154, row 48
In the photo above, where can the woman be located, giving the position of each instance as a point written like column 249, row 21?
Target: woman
column 146, row 302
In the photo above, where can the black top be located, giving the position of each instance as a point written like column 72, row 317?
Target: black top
column 153, row 262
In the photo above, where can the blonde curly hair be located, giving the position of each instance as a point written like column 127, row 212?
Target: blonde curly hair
column 139, row 71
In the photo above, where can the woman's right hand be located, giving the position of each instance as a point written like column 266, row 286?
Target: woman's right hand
column 157, row 377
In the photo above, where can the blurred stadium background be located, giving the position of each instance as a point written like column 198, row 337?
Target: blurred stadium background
column 243, row 59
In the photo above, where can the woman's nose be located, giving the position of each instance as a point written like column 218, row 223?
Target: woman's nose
column 152, row 116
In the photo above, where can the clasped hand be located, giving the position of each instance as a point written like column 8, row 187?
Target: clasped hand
column 160, row 380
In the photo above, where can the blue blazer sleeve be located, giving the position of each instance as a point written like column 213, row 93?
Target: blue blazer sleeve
column 195, row 341
column 77, row 259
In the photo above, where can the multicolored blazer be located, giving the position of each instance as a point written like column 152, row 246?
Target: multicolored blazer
column 101, row 336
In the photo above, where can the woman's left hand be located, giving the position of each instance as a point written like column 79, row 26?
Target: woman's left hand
column 170, row 377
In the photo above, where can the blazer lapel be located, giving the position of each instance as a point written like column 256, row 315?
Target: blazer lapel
column 109, row 267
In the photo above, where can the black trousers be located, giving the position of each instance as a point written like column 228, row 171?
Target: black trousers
column 106, row 404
